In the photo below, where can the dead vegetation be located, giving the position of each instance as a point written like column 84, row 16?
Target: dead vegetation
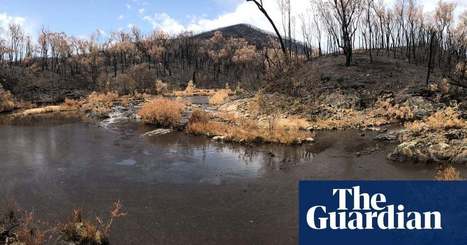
column 19, row 227
column 219, row 97
column 7, row 102
column 448, row 173
column 82, row 231
column 242, row 130
column 100, row 104
column 162, row 112
column 192, row 90
column 161, row 87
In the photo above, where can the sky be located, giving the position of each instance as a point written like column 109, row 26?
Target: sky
column 83, row 17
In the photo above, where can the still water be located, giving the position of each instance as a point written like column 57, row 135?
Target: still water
column 178, row 189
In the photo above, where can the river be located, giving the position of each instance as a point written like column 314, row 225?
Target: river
column 178, row 189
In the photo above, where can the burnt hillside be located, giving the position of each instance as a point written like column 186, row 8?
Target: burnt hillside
column 253, row 35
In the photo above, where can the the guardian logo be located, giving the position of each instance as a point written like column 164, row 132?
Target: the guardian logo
column 361, row 211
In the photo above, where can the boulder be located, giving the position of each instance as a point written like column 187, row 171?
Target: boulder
column 461, row 158
column 391, row 135
column 219, row 138
column 420, row 107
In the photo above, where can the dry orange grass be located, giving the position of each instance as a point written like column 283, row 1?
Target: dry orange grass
column 384, row 108
column 162, row 112
column 382, row 113
column 349, row 118
column 448, row 173
column 191, row 90
column 6, row 101
column 161, row 87
column 102, row 98
column 244, row 131
column 448, row 118
column 100, row 104
column 219, row 97
column 72, row 104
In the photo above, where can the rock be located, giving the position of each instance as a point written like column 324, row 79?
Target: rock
column 310, row 140
column 439, row 152
column 219, row 138
column 460, row 158
column 404, row 151
column 420, row 107
column 376, row 129
column 454, row 134
column 391, row 135
column 157, row 132
column 340, row 100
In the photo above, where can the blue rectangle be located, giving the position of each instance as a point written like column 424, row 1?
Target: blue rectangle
column 417, row 223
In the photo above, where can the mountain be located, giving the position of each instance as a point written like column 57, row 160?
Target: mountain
column 252, row 34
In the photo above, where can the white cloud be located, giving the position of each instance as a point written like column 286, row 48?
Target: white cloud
column 247, row 12
column 162, row 21
column 128, row 6
column 6, row 20
column 121, row 17
column 141, row 11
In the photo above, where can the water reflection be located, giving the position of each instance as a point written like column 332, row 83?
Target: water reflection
column 68, row 146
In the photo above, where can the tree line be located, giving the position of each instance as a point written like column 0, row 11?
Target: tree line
column 435, row 40
column 129, row 60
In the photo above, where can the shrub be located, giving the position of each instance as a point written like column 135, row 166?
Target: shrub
column 100, row 104
column 448, row 173
column 441, row 120
column 6, row 101
column 219, row 97
column 162, row 112
column 190, row 88
column 19, row 227
column 199, row 116
column 81, row 231
column 70, row 103
column 125, row 84
column 161, row 87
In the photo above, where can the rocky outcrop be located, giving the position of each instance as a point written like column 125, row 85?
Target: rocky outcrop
column 436, row 146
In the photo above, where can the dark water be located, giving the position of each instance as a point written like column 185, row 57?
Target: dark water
column 178, row 189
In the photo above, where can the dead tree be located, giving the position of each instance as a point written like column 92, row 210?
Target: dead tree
column 430, row 56
column 265, row 13
column 346, row 13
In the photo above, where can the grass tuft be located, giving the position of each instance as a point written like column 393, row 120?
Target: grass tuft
column 162, row 112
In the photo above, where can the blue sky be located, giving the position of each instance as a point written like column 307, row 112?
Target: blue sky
column 85, row 16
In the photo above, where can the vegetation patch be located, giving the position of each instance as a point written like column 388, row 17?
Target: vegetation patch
column 162, row 112
column 448, row 173
column 20, row 227
column 100, row 104
column 7, row 102
column 81, row 231
column 242, row 130
column 219, row 97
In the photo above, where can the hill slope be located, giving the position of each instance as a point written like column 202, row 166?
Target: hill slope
column 252, row 34
column 256, row 36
